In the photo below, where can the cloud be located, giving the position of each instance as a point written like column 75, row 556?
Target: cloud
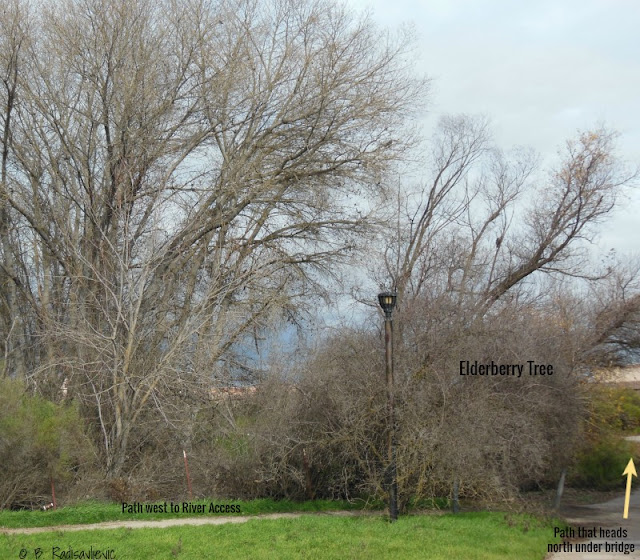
column 541, row 70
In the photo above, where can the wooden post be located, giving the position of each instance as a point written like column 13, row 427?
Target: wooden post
column 456, row 489
column 186, row 468
column 560, row 489
column 53, row 493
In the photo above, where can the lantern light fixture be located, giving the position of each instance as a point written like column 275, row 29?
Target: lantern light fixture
column 387, row 301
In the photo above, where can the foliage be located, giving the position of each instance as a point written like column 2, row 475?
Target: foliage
column 40, row 441
column 613, row 409
column 601, row 462
column 613, row 412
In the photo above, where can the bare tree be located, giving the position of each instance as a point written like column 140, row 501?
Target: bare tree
column 175, row 176
column 475, row 254
column 484, row 222
column 614, row 318
column 14, row 39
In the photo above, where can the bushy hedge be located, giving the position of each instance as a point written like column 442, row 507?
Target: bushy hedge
column 600, row 464
column 40, row 441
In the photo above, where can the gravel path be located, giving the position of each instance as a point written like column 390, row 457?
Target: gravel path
column 607, row 515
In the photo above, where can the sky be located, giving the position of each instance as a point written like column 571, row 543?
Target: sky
column 539, row 70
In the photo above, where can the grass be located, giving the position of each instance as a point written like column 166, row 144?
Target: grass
column 472, row 536
column 96, row 512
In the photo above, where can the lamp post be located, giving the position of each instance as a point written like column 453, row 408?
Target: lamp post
column 387, row 301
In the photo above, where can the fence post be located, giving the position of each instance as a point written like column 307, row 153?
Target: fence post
column 186, row 468
column 456, row 489
column 53, row 493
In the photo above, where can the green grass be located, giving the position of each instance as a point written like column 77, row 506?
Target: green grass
column 468, row 536
column 96, row 512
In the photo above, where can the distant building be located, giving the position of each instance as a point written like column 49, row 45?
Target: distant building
column 234, row 393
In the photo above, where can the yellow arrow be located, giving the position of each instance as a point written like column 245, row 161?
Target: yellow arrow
column 629, row 471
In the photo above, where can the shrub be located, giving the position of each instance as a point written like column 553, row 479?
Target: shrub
column 614, row 408
column 599, row 466
column 40, row 441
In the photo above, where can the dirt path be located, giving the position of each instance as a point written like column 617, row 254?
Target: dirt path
column 160, row 523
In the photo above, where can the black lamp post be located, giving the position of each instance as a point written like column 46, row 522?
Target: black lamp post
column 387, row 301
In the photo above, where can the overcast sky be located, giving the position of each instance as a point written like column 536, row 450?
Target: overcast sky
column 540, row 70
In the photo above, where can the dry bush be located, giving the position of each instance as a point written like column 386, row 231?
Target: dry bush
column 241, row 446
column 325, row 434
column 493, row 434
